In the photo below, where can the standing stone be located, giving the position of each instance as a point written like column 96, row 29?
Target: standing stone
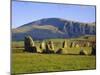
column 47, row 50
column 29, row 44
column 77, row 46
column 88, row 44
column 84, row 44
column 83, row 52
column 62, row 51
column 51, row 45
column 73, row 44
column 42, row 45
column 26, row 42
column 31, row 41
column 93, row 50
column 64, row 44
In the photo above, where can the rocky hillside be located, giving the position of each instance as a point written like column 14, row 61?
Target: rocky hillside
column 53, row 28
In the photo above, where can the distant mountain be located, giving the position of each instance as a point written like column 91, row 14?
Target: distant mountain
column 53, row 28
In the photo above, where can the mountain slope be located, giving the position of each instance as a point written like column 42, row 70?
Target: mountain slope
column 53, row 28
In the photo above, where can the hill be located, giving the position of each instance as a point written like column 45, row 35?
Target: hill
column 53, row 28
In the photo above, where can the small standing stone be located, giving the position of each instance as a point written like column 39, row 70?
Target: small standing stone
column 51, row 45
column 88, row 44
column 77, row 46
column 42, row 45
column 83, row 52
column 73, row 44
column 64, row 44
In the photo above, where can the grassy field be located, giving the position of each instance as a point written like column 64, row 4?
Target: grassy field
column 31, row 62
column 24, row 62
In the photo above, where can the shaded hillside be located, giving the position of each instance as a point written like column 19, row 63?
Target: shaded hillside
column 53, row 28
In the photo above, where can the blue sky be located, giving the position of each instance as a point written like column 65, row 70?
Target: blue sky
column 25, row 12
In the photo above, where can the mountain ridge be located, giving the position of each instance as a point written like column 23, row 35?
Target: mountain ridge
column 56, row 18
column 53, row 28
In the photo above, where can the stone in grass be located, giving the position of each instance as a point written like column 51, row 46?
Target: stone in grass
column 62, row 51
column 29, row 44
column 83, row 52
column 48, row 49
column 51, row 45
column 38, row 49
column 64, row 44
column 73, row 44
column 88, row 44
column 93, row 50
column 42, row 47
column 77, row 46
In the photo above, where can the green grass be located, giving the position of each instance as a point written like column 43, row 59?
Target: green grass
column 31, row 63
column 23, row 62
column 72, row 50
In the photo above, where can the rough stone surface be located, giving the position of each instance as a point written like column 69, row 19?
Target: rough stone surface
column 29, row 44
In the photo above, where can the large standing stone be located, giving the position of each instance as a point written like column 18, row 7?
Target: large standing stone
column 29, row 44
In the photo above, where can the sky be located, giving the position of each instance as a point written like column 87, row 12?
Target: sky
column 25, row 12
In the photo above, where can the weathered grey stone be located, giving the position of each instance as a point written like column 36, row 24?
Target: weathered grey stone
column 49, row 47
column 77, row 46
column 62, row 51
column 42, row 45
column 65, row 44
column 29, row 44
column 73, row 44
column 83, row 52
column 88, row 44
